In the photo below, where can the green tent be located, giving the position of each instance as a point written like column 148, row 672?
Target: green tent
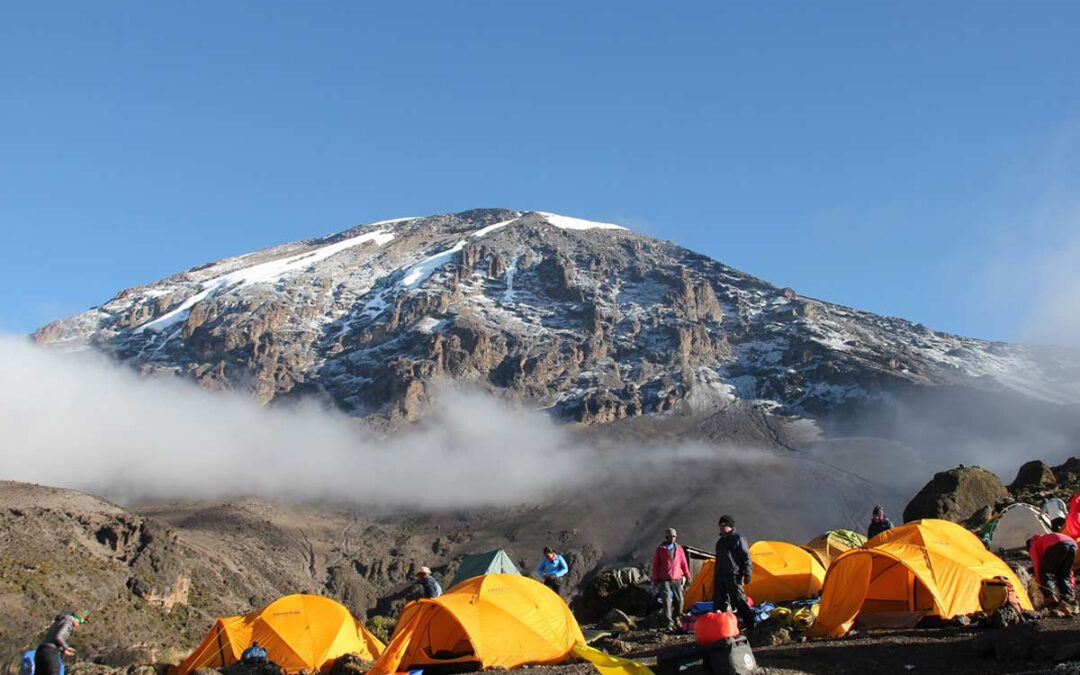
column 492, row 562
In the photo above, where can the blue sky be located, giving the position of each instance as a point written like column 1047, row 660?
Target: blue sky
column 917, row 159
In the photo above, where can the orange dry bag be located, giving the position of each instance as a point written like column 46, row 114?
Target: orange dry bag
column 715, row 626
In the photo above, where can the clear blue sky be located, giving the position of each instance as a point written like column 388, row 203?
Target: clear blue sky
column 916, row 159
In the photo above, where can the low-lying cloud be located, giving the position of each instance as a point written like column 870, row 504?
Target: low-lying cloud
column 77, row 420
column 81, row 421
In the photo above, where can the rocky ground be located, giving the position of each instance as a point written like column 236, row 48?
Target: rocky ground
column 157, row 575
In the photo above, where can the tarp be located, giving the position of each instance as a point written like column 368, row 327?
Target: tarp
column 497, row 620
column 607, row 664
column 781, row 572
column 1011, row 529
column 299, row 632
column 479, row 564
column 928, row 566
column 828, row 546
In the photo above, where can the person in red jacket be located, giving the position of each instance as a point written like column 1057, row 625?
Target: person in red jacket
column 1053, row 556
column 670, row 571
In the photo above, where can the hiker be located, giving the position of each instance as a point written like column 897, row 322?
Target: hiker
column 878, row 522
column 54, row 644
column 670, row 572
column 1053, row 555
column 254, row 654
column 551, row 569
column 731, row 570
column 429, row 588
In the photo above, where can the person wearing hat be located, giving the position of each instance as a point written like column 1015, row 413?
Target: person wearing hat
column 731, row 569
column 54, row 644
column 429, row 588
column 670, row 572
column 552, row 569
column 878, row 522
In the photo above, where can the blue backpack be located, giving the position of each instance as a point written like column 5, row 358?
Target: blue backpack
column 27, row 665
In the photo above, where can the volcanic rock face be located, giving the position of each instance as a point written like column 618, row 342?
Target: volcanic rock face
column 586, row 318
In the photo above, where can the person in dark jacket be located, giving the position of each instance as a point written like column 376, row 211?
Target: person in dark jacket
column 878, row 522
column 732, row 568
column 54, row 644
column 429, row 588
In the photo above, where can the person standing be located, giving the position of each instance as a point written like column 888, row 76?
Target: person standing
column 878, row 522
column 1053, row 555
column 54, row 644
column 670, row 570
column 731, row 569
column 429, row 587
column 552, row 569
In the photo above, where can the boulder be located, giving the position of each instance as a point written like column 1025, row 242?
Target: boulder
column 769, row 634
column 617, row 619
column 956, row 495
column 1033, row 474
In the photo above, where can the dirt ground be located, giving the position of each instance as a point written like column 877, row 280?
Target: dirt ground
column 909, row 651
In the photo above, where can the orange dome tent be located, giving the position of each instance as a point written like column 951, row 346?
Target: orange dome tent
column 299, row 632
column 781, row 572
column 495, row 620
column 922, row 568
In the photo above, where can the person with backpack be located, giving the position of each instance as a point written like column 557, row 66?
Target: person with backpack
column 552, row 569
column 731, row 569
column 429, row 587
column 54, row 644
column 878, row 522
column 1053, row 555
column 670, row 572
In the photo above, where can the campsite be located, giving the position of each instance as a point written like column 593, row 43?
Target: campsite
column 913, row 598
column 543, row 338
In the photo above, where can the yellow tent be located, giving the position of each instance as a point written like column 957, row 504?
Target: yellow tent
column 829, row 545
column 781, row 572
column 299, row 632
column 495, row 620
column 923, row 568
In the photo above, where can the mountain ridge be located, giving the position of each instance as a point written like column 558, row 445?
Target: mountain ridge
column 589, row 319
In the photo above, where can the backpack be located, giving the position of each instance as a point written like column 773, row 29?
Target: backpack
column 27, row 665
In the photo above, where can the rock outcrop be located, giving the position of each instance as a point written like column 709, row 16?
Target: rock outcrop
column 957, row 494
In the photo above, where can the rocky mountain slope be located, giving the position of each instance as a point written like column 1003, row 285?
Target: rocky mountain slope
column 590, row 320
column 156, row 574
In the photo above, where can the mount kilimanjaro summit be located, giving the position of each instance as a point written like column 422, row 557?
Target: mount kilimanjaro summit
column 589, row 320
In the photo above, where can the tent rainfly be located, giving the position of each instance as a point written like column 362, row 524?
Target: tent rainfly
column 479, row 564
column 829, row 545
column 299, row 632
column 922, row 568
column 1011, row 529
column 496, row 620
column 781, row 572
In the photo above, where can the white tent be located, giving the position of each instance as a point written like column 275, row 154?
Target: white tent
column 1011, row 530
column 1054, row 508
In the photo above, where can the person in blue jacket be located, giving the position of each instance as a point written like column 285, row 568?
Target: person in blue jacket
column 551, row 569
